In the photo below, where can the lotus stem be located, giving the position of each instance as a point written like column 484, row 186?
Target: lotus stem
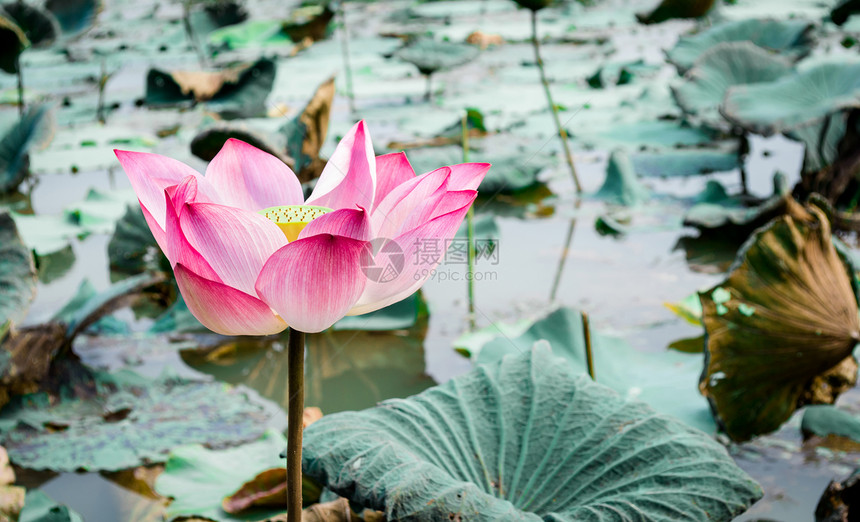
column 189, row 32
column 344, row 47
column 562, row 134
column 429, row 92
column 586, row 333
column 470, row 231
column 20, row 86
column 561, row 262
column 296, row 390
column 100, row 107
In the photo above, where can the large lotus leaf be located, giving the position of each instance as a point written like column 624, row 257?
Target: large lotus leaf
column 13, row 41
column 723, row 66
column 524, row 439
column 823, row 420
column 198, row 478
column 38, row 507
column 821, row 140
column 74, row 16
column 35, row 129
column 794, row 100
column 788, row 37
column 132, row 247
column 131, row 421
column 430, row 56
column 99, row 211
column 621, row 186
column 236, row 92
column 39, row 26
column 665, row 380
column 17, row 273
column 686, row 162
column 669, row 9
column 781, row 328
column 398, row 316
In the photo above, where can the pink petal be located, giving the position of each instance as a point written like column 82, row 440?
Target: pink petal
column 313, row 282
column 391, row 170
column 346, row 222
column 246, row 177
column 388, row 217
column 467, row 176
column 224, row 309
column 150, row 174
column 177, row 248
column 235, row 242
column 423, row 249
column 349, row 177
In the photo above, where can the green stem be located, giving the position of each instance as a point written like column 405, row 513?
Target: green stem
column 296, row 390
column 20, row 86
column 470, row 231
column 100, row 107
column 429, row 92
column 586, row 332
column 552, row 107
column 564, row 252
column 344, row 45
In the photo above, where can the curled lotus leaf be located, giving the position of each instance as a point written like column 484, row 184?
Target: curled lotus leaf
column 13, row 41
column 39, row 26
column 721, row 67
column 781, row 328
column 794, row 100
column 524, row 438
column 788, row 37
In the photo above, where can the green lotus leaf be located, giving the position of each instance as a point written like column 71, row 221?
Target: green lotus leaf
column 788, row 37
column 74, row 16
column 208, row 142
column 534, row 5
column 430, row 56
column 39, row 26
column 686, row 162
column 843, row 11
column 524, row 439
column 821, row 140
column 781, row 328
column 794, row 100
column 665, row 380
column 132, row 248
column 621, row 186
column 17, row 273
column 823, row 420
column 723, row 66
column 34, row 130
column 198, row 478
column 38, row 507
column 669, row 9
column 250, row 34
column 13, row 41
column 131, row 421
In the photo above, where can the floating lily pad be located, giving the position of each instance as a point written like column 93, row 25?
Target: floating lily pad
column 786, row 316
column 665, row 380
column 669, row 9
column 237, row 92
column 430, row 56
column 131, row 421
column 17, row 273
column 791, row 38
column 34, row 130
column 723, row 66
column 524, row 439
column 824, row 420
column 621, row 186
column 198, row 478
column 794, row 100
column 398, row 316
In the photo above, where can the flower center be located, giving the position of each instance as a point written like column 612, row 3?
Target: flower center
column 292, row 219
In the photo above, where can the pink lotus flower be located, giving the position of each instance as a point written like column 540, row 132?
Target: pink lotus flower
column 251, row 256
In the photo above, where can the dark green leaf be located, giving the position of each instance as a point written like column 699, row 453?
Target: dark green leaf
column 669, row 9
column 74, row 16
column 17, row 273
column 12, row 44
column 39, row 26
column 35, row 129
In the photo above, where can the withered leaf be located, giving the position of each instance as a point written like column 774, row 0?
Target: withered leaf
column 780, row 327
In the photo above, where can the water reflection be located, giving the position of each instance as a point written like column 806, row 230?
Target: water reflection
column 345, row 370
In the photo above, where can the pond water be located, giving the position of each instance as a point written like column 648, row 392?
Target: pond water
column 550, row 253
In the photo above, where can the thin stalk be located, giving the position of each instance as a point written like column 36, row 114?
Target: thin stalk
column 470, row 231
column 428, row 93
column 564, row 252
column 189, row 32
column 100, row 107
column 552, row 107
column 20, row 86
column 344, row 47
column 586, row 332
column 296, row 406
